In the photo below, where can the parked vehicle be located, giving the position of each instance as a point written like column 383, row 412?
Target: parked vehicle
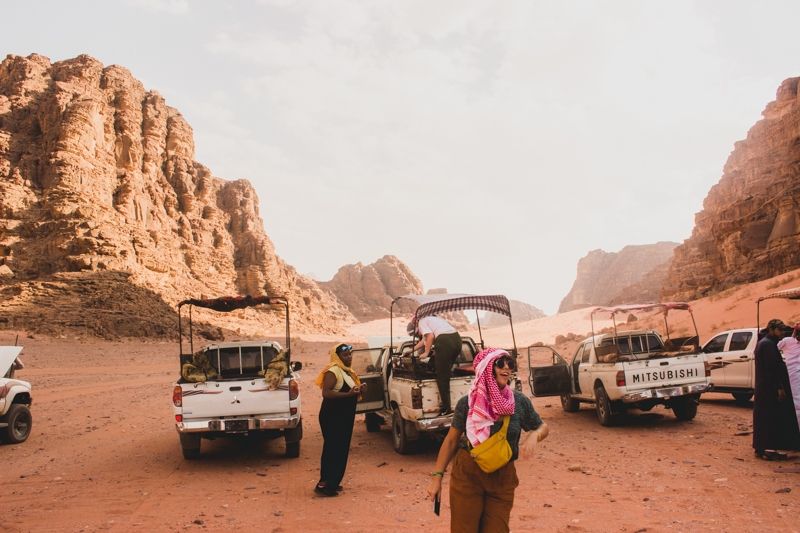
column 237, row 388
column 402, row 390
column 15, row 398
column 731, row 354
column 731, row 358
column 626, row 369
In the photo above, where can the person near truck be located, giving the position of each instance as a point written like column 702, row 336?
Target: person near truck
column 774, row 424
column 481, row 502
column 790, row 348
column 340, row 390
column 436, row 333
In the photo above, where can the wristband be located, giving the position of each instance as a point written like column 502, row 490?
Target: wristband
column 438, row 473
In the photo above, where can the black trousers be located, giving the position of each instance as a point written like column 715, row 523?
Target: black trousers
column 447, row 347
column 336, row 419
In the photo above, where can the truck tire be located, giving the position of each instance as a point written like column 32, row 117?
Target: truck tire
column 292, row 450
column 570, row 404
column 19, row 422
column 742, row 398
column 373, row 421
column 685, row 407
column 602, row 406
column 292, row 438
column 190, row 445
column 402, row 444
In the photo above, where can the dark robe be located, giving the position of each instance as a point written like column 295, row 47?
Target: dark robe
column 774, row 422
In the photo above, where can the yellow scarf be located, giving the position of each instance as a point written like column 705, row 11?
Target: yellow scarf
column 335, row 361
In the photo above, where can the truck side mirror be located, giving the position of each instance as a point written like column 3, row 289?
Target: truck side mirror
column 296, row 365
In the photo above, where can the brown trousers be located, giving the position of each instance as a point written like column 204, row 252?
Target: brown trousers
column 480, row 502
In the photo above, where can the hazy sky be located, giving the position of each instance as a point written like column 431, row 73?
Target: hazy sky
column 489, row 145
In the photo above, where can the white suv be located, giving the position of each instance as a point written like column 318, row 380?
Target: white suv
column 15, row 398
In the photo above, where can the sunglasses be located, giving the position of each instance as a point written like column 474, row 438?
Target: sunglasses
column 505, row 362
column 344, row 348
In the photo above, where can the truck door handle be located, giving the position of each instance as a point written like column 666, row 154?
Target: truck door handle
column 236, row 388
column 743, row 356
column 718, row 358
column 665, row 363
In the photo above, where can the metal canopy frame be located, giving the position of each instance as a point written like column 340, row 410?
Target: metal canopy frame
column 663, row 307
column 432, row 304
column 226, row 304
column 786, row 294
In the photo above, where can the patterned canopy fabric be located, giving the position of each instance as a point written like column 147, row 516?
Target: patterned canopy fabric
column 230, row 303
column 788, row 294
column 432, row 304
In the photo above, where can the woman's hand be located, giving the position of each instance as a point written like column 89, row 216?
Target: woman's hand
column 434, row 487
column 528, row 446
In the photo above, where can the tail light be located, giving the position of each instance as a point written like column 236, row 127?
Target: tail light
column 178, row 418
column 294, row 389
column 708, row 368
column 4, row 390
column 416, row 398
column 177, row 396
column 621, row 378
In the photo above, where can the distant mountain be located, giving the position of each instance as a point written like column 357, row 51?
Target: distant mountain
column 604, row 277
column 520, row 312
column 367, row 291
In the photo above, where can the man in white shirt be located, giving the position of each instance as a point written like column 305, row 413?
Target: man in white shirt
column 437, row 333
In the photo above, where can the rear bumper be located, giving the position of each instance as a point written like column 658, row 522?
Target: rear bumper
column 665, row 393
column 432, row 424
column 206, row 425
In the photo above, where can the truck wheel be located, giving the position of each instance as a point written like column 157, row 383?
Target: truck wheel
column 570, row 404
column 292, row 449
column 399, row 435
column 19, row 424
column 373, row 421
column 742, row 398
column 602, row 406
column 685, row 407
column 190, row 445
column 292, row 439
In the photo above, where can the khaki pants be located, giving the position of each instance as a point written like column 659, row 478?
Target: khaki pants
column 480, row 502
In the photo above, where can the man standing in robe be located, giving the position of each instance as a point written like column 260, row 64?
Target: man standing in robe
column 774, row 424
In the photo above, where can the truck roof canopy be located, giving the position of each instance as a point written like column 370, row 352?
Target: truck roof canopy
column 788, row 294
column 662, row 307
column 431, row 304
column 231, row 303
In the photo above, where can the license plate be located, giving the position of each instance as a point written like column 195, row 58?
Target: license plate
column 235, row 425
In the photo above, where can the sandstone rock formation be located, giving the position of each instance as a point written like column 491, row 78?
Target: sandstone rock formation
column 97, row 175
column 749, row 228
column 520, row 312
column 368, row 290
column 602, row 276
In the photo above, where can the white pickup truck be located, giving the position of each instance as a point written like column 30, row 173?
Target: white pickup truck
column 237, row 388
column 402, row 389
column 622, row 370
column 731, row 357
column 15, row 398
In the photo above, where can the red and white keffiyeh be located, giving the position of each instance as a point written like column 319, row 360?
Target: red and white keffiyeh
column 487, row 401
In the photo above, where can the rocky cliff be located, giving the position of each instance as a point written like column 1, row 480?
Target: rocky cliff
column 749, row 228
column 97, row 175
column 603, row 276
column 368, row 290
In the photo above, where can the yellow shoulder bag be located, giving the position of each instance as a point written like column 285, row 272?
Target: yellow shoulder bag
column 495, row 452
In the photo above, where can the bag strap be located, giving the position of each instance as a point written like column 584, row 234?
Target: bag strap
column 504, row 430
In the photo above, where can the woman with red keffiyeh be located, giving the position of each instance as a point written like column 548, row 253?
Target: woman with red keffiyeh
column 479, row 501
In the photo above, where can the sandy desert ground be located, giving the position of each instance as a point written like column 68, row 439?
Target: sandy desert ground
column 104, row 456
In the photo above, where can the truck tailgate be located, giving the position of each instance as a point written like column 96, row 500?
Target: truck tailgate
column 668, row 371
column 233, row 398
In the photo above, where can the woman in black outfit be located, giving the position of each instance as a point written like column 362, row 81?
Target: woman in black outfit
column 340, row 390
